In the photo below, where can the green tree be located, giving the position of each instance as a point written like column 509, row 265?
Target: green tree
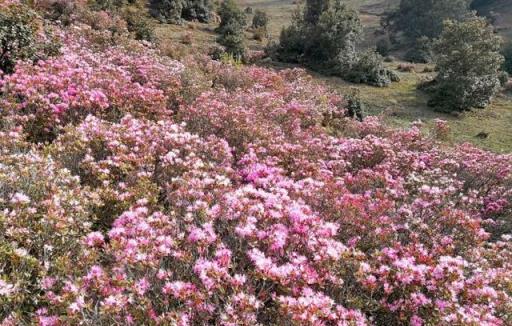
column 332, row 42
column 260, row 19
column 230, row 17
column 175, row 11
column 199, row 10
column 231, row 29
column 314, row 9
column 421, row 51
column 325, row 36
column 468, row 60
column 167, row 11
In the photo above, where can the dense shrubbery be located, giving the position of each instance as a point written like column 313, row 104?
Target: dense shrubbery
column 468, row 64
column 324, row 37
column 418, row 18
column 421, row 51
column 175, row 11
column 231, row 29
column 383, row 46
column 22, row 37
column 139, row 190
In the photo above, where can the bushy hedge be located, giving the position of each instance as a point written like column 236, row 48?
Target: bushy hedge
column 417, row 22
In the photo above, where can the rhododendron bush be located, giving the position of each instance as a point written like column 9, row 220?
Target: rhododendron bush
column 138, row 190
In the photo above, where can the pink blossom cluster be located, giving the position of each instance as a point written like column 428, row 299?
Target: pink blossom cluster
column 82, row 81
column 248, row 200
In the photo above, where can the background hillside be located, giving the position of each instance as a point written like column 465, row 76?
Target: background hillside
column 280, row 12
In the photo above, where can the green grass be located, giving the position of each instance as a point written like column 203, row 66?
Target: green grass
column 402, row 103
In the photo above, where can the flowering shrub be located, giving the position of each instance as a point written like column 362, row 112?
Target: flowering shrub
column 44, row 214
column 82, row 81
column 139, row 190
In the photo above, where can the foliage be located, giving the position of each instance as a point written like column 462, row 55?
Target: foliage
column 175, row 11
column 106, row 4
column 421, row 51
column 231, row 29
column 468, row 61
column 503, row 77
column 333, row 39
column 260, row 19
column 369, row 69
column 313, row 10
column 231, row 17
column 383, row 46
column 168, row 11
column 291, row 44
column 139, row 25
column 327, row 41
column 199, row 10
column 17, row 36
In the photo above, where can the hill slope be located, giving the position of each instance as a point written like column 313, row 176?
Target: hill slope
column 280, row 12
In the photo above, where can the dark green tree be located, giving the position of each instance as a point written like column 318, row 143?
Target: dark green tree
column 260, row 19
column 325, row 37
column 167, row 11
column 199, row 10
column 314, row 9
column 175, row 11
column 332, row 41
column 231, row 17
column 468, row 60
column 231, row 29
